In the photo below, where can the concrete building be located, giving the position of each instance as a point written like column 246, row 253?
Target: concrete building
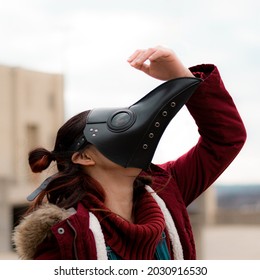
column 31, row 110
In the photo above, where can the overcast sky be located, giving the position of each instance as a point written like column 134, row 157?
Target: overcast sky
column 90, row 41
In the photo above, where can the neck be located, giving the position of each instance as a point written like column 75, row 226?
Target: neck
column 120, row 201
column 118, row 187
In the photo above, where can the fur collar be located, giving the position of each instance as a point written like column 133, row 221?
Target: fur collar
column 35, row 227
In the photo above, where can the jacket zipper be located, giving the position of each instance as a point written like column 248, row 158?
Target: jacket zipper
column 74, row 241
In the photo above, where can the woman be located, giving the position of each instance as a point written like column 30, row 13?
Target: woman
column 99, row 209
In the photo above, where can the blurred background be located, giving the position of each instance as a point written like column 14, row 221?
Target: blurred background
column 58, row 58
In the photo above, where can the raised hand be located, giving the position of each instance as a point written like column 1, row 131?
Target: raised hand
column 160, row 63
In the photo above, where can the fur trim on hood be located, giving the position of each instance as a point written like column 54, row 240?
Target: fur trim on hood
column 35, row 227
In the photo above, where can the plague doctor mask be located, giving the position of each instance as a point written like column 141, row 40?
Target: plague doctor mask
column 129, row 136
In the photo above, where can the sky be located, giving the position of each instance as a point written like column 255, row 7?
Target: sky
column 89, row 43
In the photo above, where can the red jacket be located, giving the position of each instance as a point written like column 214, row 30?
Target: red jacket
column 222, row 135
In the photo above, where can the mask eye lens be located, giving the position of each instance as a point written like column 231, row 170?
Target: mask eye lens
column 121, row 120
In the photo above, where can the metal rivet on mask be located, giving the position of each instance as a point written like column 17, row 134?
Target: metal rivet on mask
column 157, row 124
column 164, row 113
column 173, row 104
column 91, row 129
column 93, row 134
column 145, row 146
column 96, row 130
column 151, row 135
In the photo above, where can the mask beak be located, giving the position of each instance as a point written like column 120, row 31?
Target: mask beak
column 130, row 136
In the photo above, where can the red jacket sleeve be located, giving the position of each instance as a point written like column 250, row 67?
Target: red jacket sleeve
column 222, row 135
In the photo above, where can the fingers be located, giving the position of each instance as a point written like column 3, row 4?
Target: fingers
column 139, row 57
column 133, row 56
column 161, row 52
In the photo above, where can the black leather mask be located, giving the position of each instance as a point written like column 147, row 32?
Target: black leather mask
column 129, row 136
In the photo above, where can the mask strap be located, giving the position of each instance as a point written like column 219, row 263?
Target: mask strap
column 41, row 188
column 78, row 143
